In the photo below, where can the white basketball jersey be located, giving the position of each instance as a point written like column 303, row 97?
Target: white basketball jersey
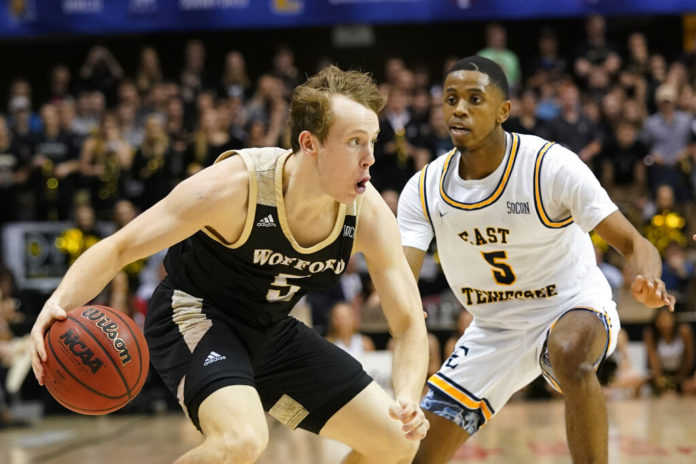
column 514, row 245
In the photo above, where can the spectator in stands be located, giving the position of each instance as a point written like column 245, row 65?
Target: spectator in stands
column 106, row 157
column 398, row 142
column 16, row 318
column 573, row 128
column 55, row 167
column 496, row 50
column 59, row 83
column 666, row 134
column 548, row 64
column 596, row 54
column 678, row 276
column 152, row 170
column 148, row 71
column 194, row 78
column 344, row 330
column 101, row 72
column 526, row 120
column 83, row 234
column 209, row 141
column 624, row 380
column 285, row 70
column 670, row 348
column 89, row 109
column 638, row 54
column 14, row 172
column 235, row 78
column 623, row 171
column 665, row 221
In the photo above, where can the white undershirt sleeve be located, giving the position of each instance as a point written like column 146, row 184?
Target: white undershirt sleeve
column 569, row 188
column 416, row 231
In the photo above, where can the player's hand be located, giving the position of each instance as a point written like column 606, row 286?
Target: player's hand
column 415, row 425
column 48, row 315
column 652, row 293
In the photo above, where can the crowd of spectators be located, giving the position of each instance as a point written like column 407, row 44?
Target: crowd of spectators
column 110, row 142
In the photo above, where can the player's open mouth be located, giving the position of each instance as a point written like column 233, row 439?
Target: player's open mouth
column 459, row 130
column 361, row 185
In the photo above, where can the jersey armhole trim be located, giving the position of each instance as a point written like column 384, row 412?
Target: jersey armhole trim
column 538, row 200
column 251, row 203
column 422, row 191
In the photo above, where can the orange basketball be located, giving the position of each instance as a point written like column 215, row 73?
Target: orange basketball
column 97, row 360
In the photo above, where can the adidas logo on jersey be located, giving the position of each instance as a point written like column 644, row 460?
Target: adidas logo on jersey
column 213, row 357
column 266, row 222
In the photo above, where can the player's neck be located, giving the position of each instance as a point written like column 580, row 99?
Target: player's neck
column 302, row 192
column 480, row 161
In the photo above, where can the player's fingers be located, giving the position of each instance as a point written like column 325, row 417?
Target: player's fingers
column 408, row 410
column 395, row 410
column 640, row 288
column 36, row 358
column 419, row 432
column 671, row 300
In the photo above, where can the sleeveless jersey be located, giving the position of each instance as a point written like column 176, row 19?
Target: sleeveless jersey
column 513, row 245
column 260, row 277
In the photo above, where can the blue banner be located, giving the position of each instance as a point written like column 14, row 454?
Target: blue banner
column 32, row 18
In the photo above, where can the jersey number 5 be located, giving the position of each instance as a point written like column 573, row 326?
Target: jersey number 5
column 285, row 290
column 502, row 272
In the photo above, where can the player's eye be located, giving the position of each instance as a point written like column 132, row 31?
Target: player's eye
column 476, row 99
column 451, row 100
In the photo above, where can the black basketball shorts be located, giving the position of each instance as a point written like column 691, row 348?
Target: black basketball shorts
column 196, row 348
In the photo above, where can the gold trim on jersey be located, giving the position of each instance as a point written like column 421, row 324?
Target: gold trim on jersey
column 500, row 188
column 423, row 194
column 541, row 212
column 251, row 203
column 282, row 217
column 461, row 396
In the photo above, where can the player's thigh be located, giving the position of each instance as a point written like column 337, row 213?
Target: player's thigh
column 234, row 414
column 365, row 425
column 303, row 379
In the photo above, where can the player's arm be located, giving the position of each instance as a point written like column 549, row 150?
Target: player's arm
column 205, row 199
column 569, row 185
column 378, row 240
column 416, row 231
column 642, row 257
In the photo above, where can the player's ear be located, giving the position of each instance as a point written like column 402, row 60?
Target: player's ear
column 309, row 144
column 503, row 111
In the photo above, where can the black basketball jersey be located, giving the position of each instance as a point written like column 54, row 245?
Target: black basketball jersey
column 260, row 277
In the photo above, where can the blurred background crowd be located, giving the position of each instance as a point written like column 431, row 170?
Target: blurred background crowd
column 91, row 135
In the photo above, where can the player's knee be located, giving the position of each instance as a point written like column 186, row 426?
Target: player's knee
column 240, row 447
column 570, row 359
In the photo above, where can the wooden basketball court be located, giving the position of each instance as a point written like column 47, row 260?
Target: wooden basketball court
column 645, row 431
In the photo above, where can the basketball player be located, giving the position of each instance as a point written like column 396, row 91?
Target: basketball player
column 511, row 215
column 247, row 238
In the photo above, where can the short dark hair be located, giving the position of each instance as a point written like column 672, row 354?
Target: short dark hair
column 484, row 66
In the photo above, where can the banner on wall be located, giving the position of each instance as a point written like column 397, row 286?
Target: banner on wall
column 31, row 18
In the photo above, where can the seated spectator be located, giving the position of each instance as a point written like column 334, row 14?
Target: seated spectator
column 496, row 50
column 665, row 222
column 623, row 379
column 623, row 171
column 343, row 330
column 670, row 348
column 106, row 156
column 14, row 172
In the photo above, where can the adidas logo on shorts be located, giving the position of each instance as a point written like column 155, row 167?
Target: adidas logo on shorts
column 266, row 222
column 213, row 357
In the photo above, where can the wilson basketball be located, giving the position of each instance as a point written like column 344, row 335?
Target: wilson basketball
column 97, row 360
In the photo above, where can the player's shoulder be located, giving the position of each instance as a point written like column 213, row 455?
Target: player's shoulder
column 539, row 146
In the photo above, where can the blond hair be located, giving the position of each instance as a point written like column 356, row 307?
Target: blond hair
column 310, row 107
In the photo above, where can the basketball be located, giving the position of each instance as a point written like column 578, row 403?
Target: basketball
column 97, row 360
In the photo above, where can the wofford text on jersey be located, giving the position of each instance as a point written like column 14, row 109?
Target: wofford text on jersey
column 273, row 258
